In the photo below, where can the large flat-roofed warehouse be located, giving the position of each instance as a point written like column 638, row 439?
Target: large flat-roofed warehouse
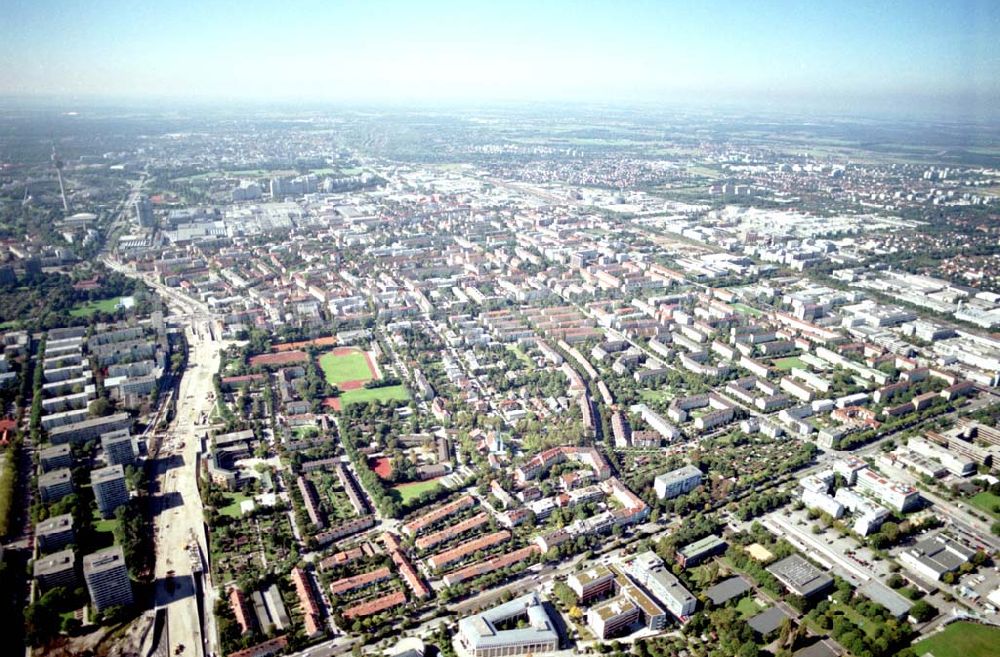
column 480, row 635
column 935, row 556
column 799, row 576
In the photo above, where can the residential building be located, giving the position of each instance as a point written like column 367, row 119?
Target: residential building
column 55, row 532
column 109, row 489
column 55, row 485
column 107, row 578
column 57, row 569
column 677, row 482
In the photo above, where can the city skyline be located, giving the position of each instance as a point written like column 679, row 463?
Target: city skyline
column 901, row 58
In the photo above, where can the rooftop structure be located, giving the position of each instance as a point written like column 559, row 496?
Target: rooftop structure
column 799, row 576
column 107, row 578
column 481, row 636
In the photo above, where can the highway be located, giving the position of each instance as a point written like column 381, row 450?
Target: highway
column 178, row 516
column 178, row 509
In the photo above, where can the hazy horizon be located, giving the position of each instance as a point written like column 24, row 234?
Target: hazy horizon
column 905, row 58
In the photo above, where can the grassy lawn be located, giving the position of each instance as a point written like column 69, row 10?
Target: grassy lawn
column 103, row 535
column 786, row 364
column 857, row 619
column 961, row 640
column 348, row 367
column 365, row 395
column 523, row 357
column 747, row 310
column 233, row 508
column 748, row 607
column 409, row 491
column 304, row 432
column 7, row 476
column 91, row 307
column 649, row 395
column 103, row 526
column 987, row 502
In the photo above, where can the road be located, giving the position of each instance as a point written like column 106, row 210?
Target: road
column 178, row 509
column 178, row 514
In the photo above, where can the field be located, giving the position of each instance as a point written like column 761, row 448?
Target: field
column 986, row 501
column 409, row 491
column 365, row 395
column 748, row 607
column 746, row 310
column 103, row 534
column 304, row 433
column 961, row 640
column 786, row 364
column 345, row 365
column 382, row 466
column 7, row 471
column 648, row 395
column 523, row 357
column 233, row 508
column 91, row 307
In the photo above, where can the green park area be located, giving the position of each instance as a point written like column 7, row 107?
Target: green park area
column 104, row 532
column 747, row 310
column 409, row 491
column 521, row 356
column 986, row 502
column 340, row 367
column 232, row 509
column 649, row 395
column 786, row 364
column 748, row 607
column 89, row 308
column 365, row 395
column 7, row 472
column 961, row 640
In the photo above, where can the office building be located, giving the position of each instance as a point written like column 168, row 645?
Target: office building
column 896, row 495
column 482, row 634
column 677, row 482
column 694, row 553
column 649, row 571
column 109, row 489
column 935, row 556
column 609, row 618
column 107, row 578
column 822, row 502
column 592, row 583
column 144, row 212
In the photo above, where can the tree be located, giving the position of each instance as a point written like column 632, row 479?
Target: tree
column 922, row 611
column 101, row 407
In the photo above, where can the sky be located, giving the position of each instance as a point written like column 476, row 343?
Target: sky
column 849, row 54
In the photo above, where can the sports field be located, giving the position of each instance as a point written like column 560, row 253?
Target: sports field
column 365, row 395
column 346, row 365
column 961, row 640
column 409, row 491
